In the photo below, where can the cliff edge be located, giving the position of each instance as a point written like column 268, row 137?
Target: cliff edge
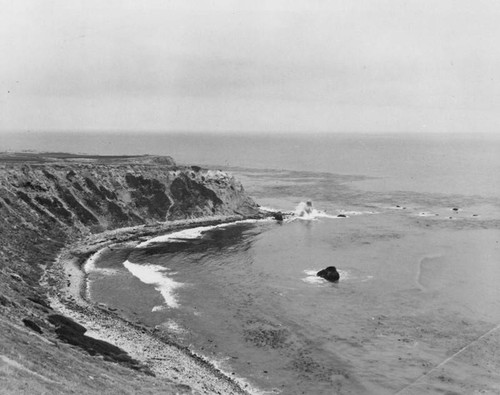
column 48, row 201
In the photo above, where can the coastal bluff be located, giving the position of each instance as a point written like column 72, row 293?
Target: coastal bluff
column 51, row 200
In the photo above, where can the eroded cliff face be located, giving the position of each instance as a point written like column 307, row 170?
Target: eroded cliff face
column 47, row 201
column 101, row 194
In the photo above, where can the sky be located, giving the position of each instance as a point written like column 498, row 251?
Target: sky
column 240, row 66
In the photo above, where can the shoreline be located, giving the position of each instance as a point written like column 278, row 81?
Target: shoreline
column 150, row 346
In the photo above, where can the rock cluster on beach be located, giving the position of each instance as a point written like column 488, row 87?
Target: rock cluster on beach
column 48, row 201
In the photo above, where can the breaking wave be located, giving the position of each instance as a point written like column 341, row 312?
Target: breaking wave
column 305, row 211
column 192, row 233
column 155, row 275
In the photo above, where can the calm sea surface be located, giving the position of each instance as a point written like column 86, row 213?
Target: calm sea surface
column 419, row 280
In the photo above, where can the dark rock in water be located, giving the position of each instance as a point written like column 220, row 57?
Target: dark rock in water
column 341, row 216
column 32, row 325
column 278, row 216
column 330, row 274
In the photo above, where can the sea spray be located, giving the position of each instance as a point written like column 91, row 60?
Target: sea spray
column 312, row 276
column 305, row 210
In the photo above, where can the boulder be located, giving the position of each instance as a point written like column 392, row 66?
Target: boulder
column 61, row 321
column 32, row 325
column 278, row 216
column 330, row 274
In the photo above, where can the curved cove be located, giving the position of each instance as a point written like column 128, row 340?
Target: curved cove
column 247, row 297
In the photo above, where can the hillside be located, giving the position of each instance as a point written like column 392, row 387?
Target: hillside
column 51, row 201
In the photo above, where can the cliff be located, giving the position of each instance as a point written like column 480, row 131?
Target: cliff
column 50, row 200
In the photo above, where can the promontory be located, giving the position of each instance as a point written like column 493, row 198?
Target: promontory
column 56, row 210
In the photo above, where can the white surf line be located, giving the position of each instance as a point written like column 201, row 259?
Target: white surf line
column 195, row 232
column 156, row 275
column 448, row 359
column 88, row 267
column 245, row 384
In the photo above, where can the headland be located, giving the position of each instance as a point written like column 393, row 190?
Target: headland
column 57, row 211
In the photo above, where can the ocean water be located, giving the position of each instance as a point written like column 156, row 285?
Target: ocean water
column 418, row 255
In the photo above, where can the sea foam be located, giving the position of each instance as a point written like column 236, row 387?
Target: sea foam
column 313, row 278
column 358, row 212
column 305, row 212
column 192, row 233
column 312, row 216
column 90, row 264
column 155, row 275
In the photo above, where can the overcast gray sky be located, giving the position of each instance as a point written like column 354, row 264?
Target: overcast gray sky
column 340, row 66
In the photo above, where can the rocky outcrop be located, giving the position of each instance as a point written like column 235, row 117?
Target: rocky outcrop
column 278, row 216
column 73, row 333
column 330, row 274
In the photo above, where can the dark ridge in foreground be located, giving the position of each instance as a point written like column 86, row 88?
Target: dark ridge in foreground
column 48, row 201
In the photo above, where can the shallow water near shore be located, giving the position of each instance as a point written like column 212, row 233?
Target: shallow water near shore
column 419, row 270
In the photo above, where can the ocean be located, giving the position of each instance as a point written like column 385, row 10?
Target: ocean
column 417, row 249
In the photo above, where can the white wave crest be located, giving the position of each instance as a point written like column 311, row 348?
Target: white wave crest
column 90, row 267
column 186, row 234
column 322, row 214
column 357, row 212
column 192, row 233
column 155, row 275
column 268, row 209
column 312, row 277
column 305, row 211
column 427, row 214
